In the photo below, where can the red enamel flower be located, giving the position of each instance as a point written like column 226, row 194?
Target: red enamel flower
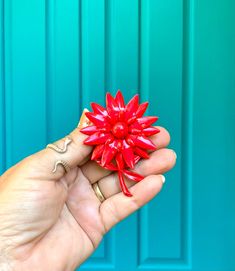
column 119, row 134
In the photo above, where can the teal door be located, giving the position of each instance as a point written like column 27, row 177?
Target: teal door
column 57, row 56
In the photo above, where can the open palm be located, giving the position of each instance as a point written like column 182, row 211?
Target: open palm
column 51, row 221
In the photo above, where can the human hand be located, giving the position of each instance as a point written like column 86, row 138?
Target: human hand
column 54, row 221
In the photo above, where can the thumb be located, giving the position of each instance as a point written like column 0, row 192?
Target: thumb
column 70, row 151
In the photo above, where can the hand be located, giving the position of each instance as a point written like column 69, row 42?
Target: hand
column 54, row 221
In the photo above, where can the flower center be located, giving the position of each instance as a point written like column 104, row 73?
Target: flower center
column 120, row 130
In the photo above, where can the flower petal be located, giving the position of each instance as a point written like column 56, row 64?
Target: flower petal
column 120, row 100
column 109, row 166
column 135, row 128
column 97, row 119
column 109, row 152
column 98, row 109
column 142, row 153
column 123, row 185
column 142, row 108
column 89, row 130
column 128, row 154
column 137, row 158
column 119, row 161
column 97, row 138
column 97, row 152
column 132, row 106
column 111, row 103
column 133, row 175
column 143, row 142
column 146, row 121
column 150, row 131
column 131, row 119
column 112, row 108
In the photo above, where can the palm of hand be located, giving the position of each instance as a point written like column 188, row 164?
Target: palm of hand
column 69, row 221
column 55, row 225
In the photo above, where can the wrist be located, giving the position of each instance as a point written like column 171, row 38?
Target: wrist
column 5, row 267
column 5, row 263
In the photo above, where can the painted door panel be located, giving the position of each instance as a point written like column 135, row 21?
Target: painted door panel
column 57, row 56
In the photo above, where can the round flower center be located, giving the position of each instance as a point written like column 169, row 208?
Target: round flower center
column 120, row 130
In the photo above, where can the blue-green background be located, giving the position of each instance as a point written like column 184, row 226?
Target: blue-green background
column 57, row 56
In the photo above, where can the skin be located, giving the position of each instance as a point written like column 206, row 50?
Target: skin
column 54, row 221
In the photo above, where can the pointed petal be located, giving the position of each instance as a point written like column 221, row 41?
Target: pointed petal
column 135, row 128
column 142, row 108
column 142, row 153
column 132, row 106
column 121, row 115
column 119, row 161
column 97, row 119
column 89, row 130
column 120, row 100
column 144, row 142
column 131, row 119
column 123, row 185
column 110, row 139
column 98, row 109
column 133, row 175
column 129, row 140
column 97, row 138
column 139, row 113
column 106, row 128
column 112, row 109
column 135, row 131
column 111, row 103
column 97, row 152
column 109, row 152
column 107, row 155
column 150, row 131
column 109, row 166
column 136, row 125
column 128, row 154
column 137, row 158
column 147, row 121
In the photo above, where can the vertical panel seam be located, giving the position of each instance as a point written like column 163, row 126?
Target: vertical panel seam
column 105, row 45
column 80, row 102
column 49, row 44
column 111, row 238
column 3, row 88
column 47, row 67
column 143, row 214
column 187, row 125
column 108, row 80
column 139, row 47
column 8, row 82
column 139, row 91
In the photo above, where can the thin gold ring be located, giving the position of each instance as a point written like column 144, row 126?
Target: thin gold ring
column 98, row 193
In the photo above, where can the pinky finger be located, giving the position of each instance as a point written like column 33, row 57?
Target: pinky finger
column 117, row 207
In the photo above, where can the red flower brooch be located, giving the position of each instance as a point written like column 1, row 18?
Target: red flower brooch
column 120, row 136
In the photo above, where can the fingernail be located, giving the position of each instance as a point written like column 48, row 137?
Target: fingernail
column 84, row 121
column 163, row 179
column 174, row 154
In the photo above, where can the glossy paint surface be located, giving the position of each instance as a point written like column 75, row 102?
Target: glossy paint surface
column 57, row 56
